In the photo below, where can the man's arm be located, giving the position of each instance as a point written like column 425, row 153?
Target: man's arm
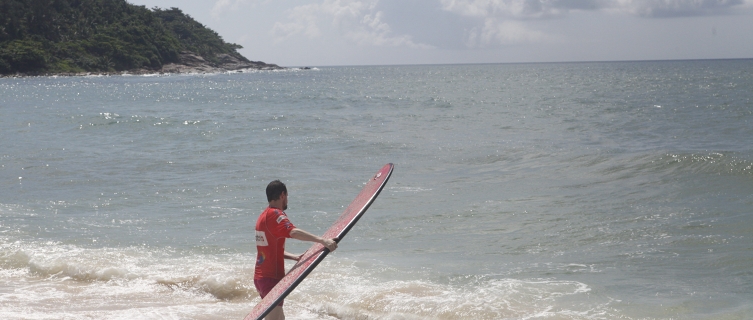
column 291, row 256
column 303, row 235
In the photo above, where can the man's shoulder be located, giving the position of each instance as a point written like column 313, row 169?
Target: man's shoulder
column 273, row 214
column 275, row 222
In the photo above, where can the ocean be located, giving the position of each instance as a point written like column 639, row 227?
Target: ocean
column 604, row 190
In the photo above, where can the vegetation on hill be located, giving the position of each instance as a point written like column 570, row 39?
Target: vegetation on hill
column 72, row 36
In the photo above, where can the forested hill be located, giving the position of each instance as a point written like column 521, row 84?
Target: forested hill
column 75, row 36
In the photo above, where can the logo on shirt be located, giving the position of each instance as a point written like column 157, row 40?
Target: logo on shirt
column 261, row 239
column 280, row 218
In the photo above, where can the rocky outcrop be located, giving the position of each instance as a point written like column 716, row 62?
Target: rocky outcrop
column 189, row 63
column 193, row 63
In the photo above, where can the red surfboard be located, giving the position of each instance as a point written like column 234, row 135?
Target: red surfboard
column 311, row 258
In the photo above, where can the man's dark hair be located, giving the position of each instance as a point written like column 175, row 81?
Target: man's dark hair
column 275, row 189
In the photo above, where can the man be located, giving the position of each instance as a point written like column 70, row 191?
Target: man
column 272, row 228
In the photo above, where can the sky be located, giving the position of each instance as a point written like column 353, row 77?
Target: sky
column 297, row 33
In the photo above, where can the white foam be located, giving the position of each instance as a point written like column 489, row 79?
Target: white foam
column 53, row 281
column 354, row 292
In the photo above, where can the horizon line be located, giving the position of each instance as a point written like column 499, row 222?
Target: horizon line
column 530, row 62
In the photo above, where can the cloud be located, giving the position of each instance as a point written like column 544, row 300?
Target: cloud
column 304, row 21
column 505, row 22
column 357, row 21
column 459, row 24
column 535, row 9
column 378, row 33
column 495, row 32
column 678, row 8
column 518, row 9
column 509, row 22
column 223, row 6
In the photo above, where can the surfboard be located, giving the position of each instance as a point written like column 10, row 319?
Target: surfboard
column 311, row 258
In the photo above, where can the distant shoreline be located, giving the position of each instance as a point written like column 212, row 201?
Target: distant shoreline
column 190, row 63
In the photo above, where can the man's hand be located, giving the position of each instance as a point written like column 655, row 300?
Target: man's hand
column 291, row 256
column 330, row 244
column 303, row 235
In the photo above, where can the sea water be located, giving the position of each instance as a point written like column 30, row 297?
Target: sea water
column 611, row 190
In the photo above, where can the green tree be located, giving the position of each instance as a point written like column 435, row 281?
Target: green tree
column 22, row 55
column 40, row 36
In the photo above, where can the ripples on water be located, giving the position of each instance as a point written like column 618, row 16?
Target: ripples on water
column 553, row 191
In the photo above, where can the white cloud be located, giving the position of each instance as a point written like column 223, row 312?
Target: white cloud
column 527, row 9
column 673, row 8
column 345, row 10
column 503, row 22
column 304, row 21
column 221, row 7
column 377, row 33
column 507, row 22
column 503, row 32
column 357, row 21
column 505, row 8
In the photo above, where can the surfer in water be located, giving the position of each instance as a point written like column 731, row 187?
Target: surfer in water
column 272, row 228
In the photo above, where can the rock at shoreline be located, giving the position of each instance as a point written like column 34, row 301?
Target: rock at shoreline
column 189, row 63
column 193, row 63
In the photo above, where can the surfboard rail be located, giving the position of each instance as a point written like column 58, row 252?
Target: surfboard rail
column 317, row 252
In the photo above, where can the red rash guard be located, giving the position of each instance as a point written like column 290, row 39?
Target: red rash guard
column 272, row 228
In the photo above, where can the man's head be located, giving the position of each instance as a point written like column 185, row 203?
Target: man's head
column 277, row 193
